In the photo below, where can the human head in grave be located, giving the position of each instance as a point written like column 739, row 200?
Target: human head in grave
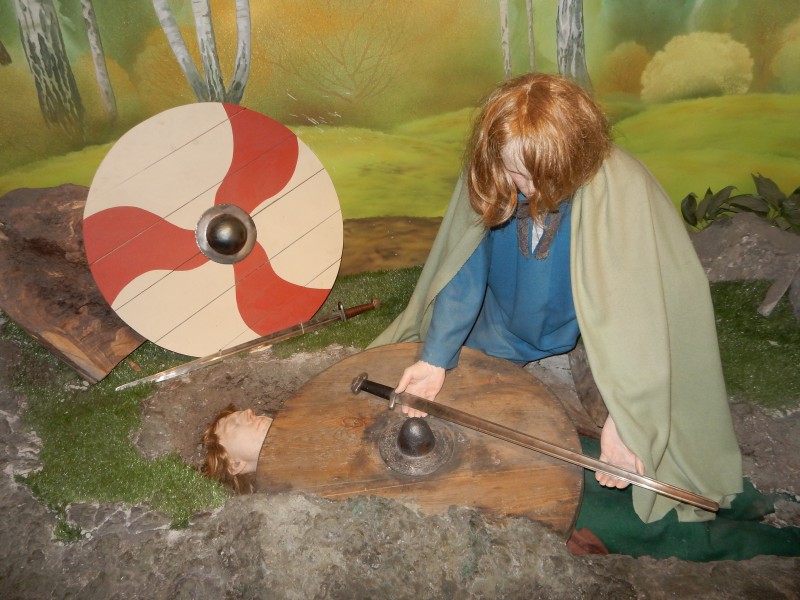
column 232, row 444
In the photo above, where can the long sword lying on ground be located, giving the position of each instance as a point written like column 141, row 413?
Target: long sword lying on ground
column 510, row 435
column 342, row 314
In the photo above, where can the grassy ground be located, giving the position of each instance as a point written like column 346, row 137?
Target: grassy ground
column 760, row 355
column 86, row 451
column 410, row 171
column 87, row 454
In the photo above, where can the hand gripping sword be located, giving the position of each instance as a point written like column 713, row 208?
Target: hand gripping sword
column 516, row 437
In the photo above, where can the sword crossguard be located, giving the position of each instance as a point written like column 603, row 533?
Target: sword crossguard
column 362, row 382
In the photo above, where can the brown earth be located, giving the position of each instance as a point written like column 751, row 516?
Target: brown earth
column 296, row 546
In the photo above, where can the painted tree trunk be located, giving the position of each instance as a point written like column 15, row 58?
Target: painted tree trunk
column 5, row 57
column 170, row 27
column 505, row 41
column 531, row 47
column 208, row 50
column 570, row 44
column 40, row 32
column 241, row 70
column 99, row 60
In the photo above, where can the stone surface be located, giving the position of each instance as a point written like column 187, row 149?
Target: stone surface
column 770, row 447
column 746, row 247
column 295, row 546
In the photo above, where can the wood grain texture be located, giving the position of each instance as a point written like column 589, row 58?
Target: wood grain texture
column 153, row 190
column 325, row 441
column 47, row 288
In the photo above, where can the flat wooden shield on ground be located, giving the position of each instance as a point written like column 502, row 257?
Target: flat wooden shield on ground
column 326, row 441
column 209, row 225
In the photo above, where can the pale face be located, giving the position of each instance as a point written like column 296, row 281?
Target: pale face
column 242, row 433
column 512, row 162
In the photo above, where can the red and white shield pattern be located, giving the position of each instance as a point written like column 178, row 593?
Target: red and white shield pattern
column 145, row 203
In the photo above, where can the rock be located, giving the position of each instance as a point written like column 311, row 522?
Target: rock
column 744, row 247
column 770, row 447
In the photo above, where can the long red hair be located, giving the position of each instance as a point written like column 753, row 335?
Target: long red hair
column 560, row 134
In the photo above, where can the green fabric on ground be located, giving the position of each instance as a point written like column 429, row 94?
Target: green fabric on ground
column 736, row 534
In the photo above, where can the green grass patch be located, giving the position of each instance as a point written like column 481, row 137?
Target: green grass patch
column 715, row 142
column 760, row 355
column 65, row 531
column 87, row 454
column 392, row 288
column 408, row 173
column 76, row 167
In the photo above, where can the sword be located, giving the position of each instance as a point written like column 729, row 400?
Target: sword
column 516, row 437
column 342, row 314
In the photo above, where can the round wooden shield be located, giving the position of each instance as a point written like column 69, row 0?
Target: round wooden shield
column 209, row 225
column 326, row 441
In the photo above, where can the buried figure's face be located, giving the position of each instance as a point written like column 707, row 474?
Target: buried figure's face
column 242, row 434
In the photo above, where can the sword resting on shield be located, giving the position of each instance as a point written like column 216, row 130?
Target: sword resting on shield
column 341, row 314
column 516, row 437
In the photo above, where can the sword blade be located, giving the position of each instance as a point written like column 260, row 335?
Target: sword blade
column 361, row 383
column 342, row 314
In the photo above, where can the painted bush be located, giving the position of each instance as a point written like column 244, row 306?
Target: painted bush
column 698, row 65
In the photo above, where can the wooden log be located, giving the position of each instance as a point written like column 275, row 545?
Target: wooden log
column 47, row 287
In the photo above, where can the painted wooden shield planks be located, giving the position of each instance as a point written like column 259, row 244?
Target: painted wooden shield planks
column 143, row 228
column 325, row 441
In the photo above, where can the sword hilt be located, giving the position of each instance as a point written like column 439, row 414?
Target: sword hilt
column 376, row 389
column 353, row 311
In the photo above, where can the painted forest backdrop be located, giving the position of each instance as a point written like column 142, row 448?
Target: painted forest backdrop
column 705, row 92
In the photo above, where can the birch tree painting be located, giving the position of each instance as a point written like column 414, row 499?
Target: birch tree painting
column 570, row 42
column 212, row 87
column 43, row 44
column 531, row 50
column 241, row 67
column 208, row 49
column 5, row 57
column 99, row 60
column 505, row 40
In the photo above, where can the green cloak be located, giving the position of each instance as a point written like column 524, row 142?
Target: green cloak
column 646, row 320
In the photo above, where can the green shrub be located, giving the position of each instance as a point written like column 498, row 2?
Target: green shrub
column 769, row 202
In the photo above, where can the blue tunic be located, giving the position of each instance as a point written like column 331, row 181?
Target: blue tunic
column 506, row 304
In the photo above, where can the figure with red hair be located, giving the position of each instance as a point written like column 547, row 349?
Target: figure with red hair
column 555, row 234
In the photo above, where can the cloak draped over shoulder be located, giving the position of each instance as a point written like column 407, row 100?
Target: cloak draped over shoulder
column 645, row 315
